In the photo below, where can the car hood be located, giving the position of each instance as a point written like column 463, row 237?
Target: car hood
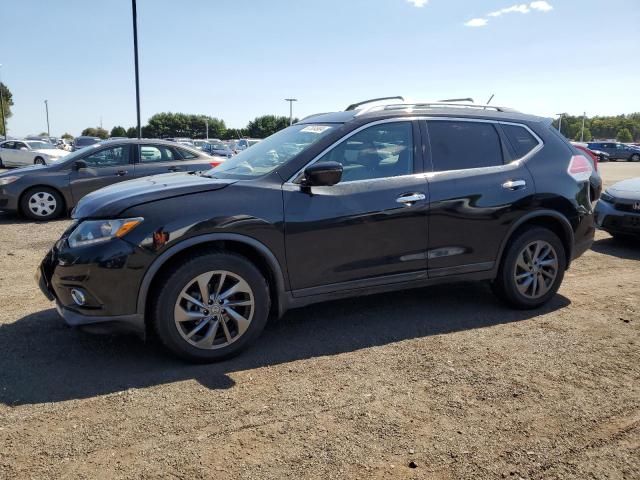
column 626, row 189
column 23, row 170
column 113, row 200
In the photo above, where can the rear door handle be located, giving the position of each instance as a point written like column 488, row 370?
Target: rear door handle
column 121, row 173
column 410, row 198
column 514, row 185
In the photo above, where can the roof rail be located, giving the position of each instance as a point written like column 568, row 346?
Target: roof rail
column 426, row 105
column 353, row 106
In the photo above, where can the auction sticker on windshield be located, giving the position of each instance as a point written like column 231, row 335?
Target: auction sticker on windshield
column 315, row 128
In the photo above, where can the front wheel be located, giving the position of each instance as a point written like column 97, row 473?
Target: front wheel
column 532, row 269
column 42, row 203
column 39, row 161
column 635, row 157
column 211, row 307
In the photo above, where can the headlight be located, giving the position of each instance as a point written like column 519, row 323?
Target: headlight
column 98, row 231
column 606, row 197
column 8, row 180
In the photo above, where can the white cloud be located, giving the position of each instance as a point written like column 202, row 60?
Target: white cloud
column 476, row 22
column 542, row 6
column 422, row 3
column 522, row 8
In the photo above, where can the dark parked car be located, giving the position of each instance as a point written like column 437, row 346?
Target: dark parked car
column 618, row 211
column 46, row 192
column 83, row 142
column 343, row 204
column 617, row 151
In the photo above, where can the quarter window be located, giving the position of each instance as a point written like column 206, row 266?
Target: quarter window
column 380, row 151
column 186, row 154
column 108, row 157
column 463, row 145
column 521, row 140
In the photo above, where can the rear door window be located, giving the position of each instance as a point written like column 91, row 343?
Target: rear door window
column 156, row 153
column 108, row 157
column 520, row 138
column 186, row 154
column 457, row 145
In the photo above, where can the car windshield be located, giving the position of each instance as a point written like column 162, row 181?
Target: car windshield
column 85, row 141
column 218, row 146
column 270, row 153
column 38, row 145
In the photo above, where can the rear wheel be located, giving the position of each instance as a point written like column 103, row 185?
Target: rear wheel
column 532, row 269
column 39, row 161
column 211, row 307
column 42, row 203
column 603, row 158
column 635, row 157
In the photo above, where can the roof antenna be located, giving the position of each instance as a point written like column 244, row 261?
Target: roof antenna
column 491, row 98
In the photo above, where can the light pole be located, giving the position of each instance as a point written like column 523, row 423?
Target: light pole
column 4, row 124
column 584, row 114
column 206, row 126
column 135, row 56
column 560, row 122
column 46, row 109
column 290, row 100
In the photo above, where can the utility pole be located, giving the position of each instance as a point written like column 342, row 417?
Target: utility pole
column 560, row 122
column 4, row 124
column 290, row 100
column 206, row 125
column 135, row 56
column 584, row 114
column 46, row 107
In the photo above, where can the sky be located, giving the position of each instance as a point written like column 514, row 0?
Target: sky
column 238, row 59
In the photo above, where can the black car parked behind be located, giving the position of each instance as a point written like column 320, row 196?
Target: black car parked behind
column 343, row 204
column 46, row 192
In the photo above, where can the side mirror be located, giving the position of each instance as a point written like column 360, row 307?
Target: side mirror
column 322, row 174
column 79, row 164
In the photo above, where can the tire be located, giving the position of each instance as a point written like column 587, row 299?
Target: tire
column 1, row 164
column 216, row 329
column 511, row 283
column 634, row 158
column 603, row 159
column 42, row 203
column 39, row 161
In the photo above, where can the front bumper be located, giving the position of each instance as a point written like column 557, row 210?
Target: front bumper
column 8, row 198
column 612, row 220
column 109, row 276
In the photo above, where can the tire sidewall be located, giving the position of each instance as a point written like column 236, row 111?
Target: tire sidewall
column 506, row 277
column 24, row 204
column 163, row 317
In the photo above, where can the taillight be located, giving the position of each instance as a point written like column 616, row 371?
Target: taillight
column 215, row 163
column 580, row 168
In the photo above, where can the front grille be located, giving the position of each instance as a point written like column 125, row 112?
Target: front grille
column 626, row 207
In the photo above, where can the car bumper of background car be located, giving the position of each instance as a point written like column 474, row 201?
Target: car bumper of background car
column 612, row 220
column 8, row 200
column 95, row 275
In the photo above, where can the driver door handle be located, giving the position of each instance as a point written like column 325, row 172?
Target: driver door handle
column 121, row 173
column 514, row 185
column 409, row 199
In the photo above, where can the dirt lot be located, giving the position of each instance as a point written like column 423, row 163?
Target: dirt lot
column 444, row 377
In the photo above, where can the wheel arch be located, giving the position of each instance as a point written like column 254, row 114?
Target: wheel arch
column 550, row 219
column 246, row 246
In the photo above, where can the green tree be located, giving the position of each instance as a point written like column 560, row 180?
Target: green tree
column 67, row 136
column 95, row 132
column 262, row 127
column 624, row 135
column 118, row 131
column 132, row 132
column 7, row 103
column 168, row 124
column 43, row 134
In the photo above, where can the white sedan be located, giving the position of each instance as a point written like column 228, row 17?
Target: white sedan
column 18, row 153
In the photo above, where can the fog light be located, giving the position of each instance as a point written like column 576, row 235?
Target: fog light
column 78, row 296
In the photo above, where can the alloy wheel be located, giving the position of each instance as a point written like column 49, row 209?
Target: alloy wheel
column 214, row 309
column 42, row 204
column 536, row 269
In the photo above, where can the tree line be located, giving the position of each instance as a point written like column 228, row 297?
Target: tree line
column 168, row 124
column 624, row 128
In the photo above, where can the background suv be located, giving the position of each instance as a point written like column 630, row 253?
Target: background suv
column 617, row 151
column 357, row 202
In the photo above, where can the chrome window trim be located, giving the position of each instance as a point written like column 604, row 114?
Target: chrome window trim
column 293, row 180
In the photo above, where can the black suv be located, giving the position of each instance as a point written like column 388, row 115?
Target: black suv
column 368, row 200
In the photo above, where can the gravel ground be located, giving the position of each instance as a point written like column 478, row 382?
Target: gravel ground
column 444, row 379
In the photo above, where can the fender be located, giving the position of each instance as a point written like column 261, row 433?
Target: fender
column 568, row 229
column 211, row 237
